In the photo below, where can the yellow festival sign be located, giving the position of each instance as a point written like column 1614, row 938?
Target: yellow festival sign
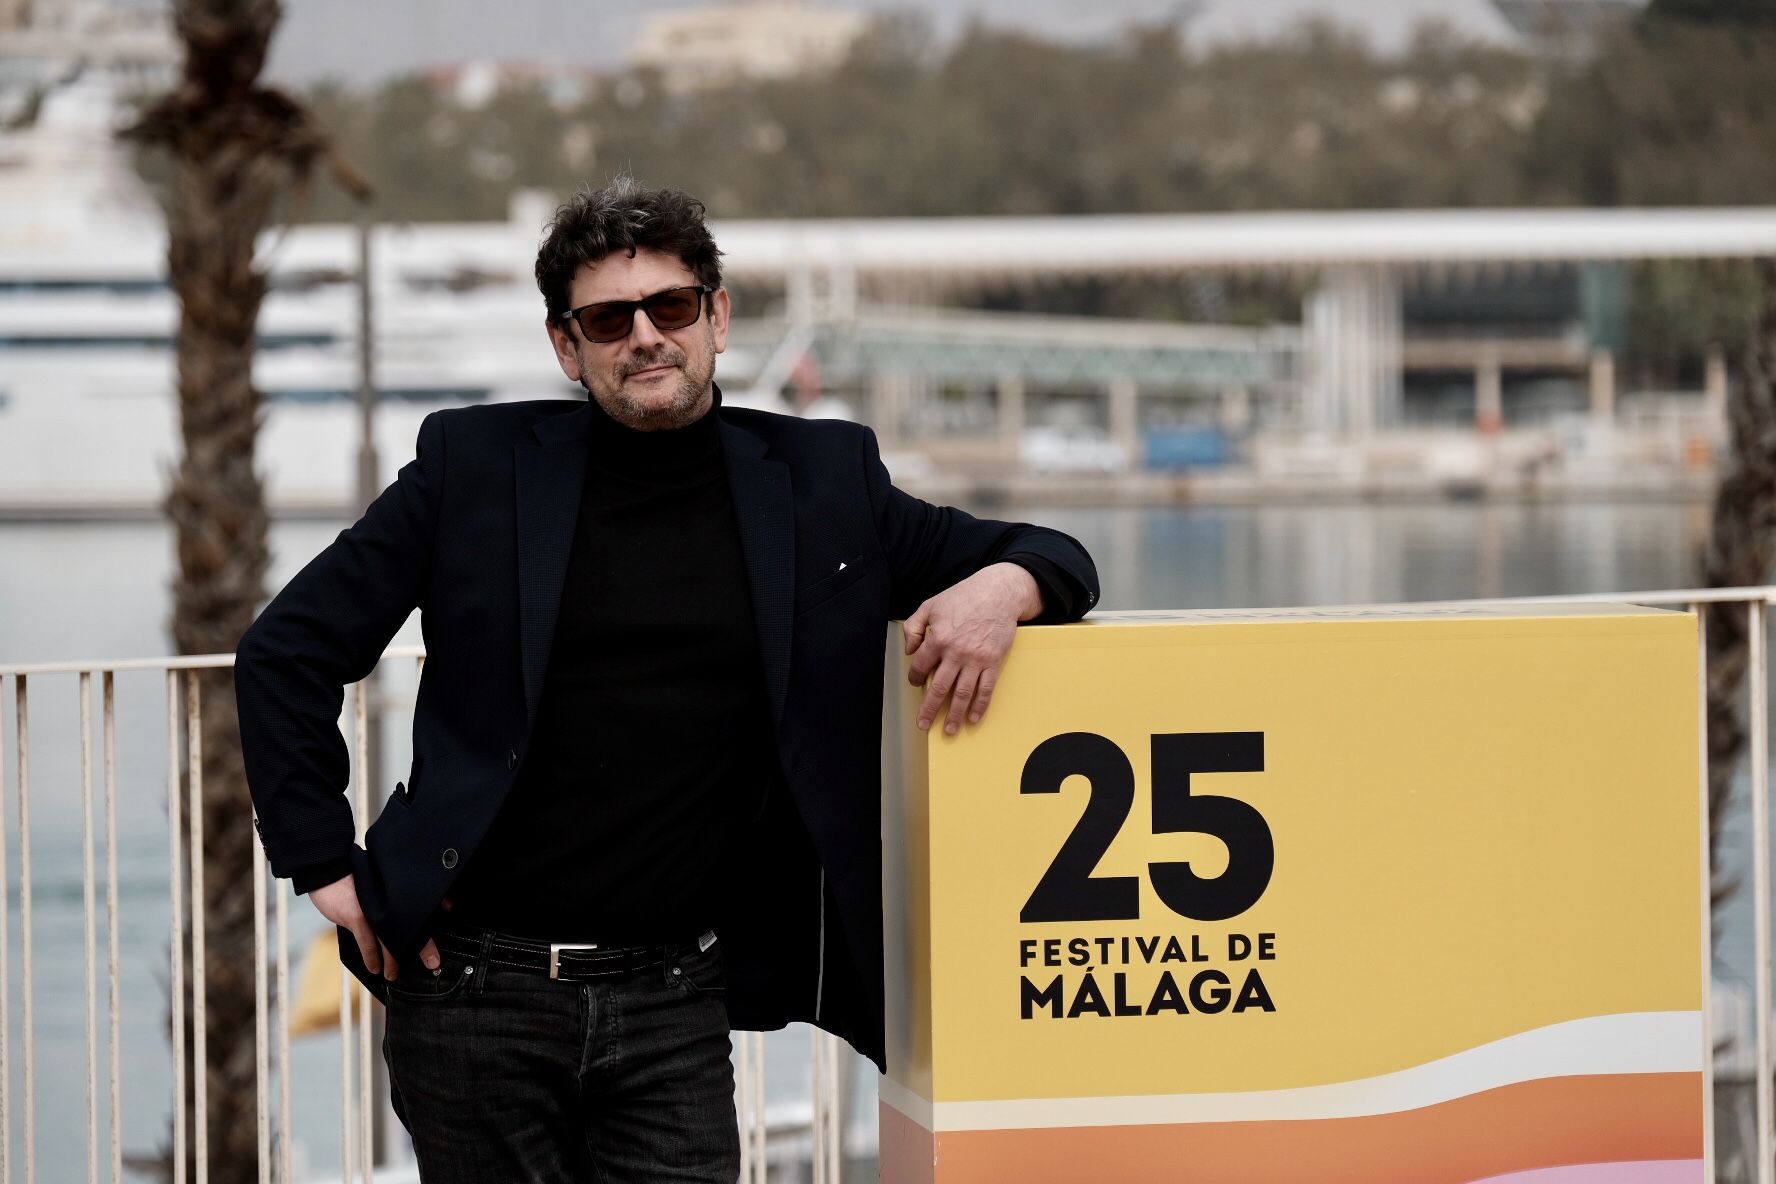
column 1400, row 895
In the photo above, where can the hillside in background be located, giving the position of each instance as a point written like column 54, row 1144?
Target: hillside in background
column 1676, row 112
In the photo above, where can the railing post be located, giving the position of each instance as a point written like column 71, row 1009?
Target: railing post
column 200, row 1038
column 367, row 1091
column 175, row 890
column 89, row 925
column 283, row 1034
column 817, row 1109
column 742, row 1106
column 21, row 704
column 1760, row 848
column 753, row 1163
column 826, row 1109
column 112, row 960
column 1707, row 893
column 261, row 1049
column 760, row 1129
column 347, row 1128
column 5, row 972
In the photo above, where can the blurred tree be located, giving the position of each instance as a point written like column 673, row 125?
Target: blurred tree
column 996, row 122
column 1674, row 111
column 1744, row 13
column 1678, row 310
column 1683, row 115
column 235, row 147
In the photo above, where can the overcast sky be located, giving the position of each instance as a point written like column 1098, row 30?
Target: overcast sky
column 367, row 40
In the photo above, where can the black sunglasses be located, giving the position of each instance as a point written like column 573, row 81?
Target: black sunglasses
column 611, row 320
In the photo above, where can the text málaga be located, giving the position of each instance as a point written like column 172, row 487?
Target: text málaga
column 1208, row 991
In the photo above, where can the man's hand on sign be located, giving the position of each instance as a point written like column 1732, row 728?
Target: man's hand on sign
column 958, row 640
column 338, row 902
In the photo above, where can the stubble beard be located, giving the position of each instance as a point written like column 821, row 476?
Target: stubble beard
column 687, row 404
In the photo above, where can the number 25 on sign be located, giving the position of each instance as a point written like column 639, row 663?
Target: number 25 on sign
column 1069, row 891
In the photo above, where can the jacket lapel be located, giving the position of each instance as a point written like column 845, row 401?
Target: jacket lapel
column 550, row 477
column 766, row 513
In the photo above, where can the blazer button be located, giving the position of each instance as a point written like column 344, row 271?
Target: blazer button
column 511, row 760
column 450, row 857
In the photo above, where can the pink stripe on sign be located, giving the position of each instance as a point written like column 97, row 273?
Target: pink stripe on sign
column 1663, row 1171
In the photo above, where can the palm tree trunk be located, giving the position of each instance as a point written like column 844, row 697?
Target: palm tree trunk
column 238, row 149
column 1740, row 551
column 217, row 507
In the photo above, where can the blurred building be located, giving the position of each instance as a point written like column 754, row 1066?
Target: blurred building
column 717, row 44
column 87, row 30
column 68, row 70
column 1566, row 27
column 473, row 84
column 120, row 48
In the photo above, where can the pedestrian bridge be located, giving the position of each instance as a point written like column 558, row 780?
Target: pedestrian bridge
column 1089, row 352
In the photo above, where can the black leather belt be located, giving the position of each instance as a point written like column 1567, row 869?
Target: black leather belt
column 565, row 961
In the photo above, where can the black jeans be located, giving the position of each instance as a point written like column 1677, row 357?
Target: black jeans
column 503, row 1076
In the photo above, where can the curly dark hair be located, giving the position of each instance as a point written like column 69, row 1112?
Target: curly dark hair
column 622, row 216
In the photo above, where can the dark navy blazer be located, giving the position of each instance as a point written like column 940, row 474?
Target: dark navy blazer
column 475, row 533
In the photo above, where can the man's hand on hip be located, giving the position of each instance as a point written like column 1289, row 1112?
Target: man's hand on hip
column 959, row 639
column 338, row 902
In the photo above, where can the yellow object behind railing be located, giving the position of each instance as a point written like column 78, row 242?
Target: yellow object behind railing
column 315, row 1007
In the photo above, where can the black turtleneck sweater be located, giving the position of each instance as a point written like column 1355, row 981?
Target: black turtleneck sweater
column 652, row 739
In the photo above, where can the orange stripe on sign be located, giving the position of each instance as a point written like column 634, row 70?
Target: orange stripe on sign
column 1533, row 1124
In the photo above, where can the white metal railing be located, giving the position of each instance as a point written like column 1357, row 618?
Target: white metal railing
column 762, row 1142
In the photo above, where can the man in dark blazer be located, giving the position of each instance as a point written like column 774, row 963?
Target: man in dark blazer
column 644, row 804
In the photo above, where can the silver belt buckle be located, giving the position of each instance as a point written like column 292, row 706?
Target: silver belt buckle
column 555, row 948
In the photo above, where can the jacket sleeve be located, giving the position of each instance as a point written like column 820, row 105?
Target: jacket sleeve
column 307, row 878
column 1063, row 597
column 328, row 627
column 932, row 547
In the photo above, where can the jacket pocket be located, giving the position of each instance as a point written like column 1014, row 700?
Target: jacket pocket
column 825, row 588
